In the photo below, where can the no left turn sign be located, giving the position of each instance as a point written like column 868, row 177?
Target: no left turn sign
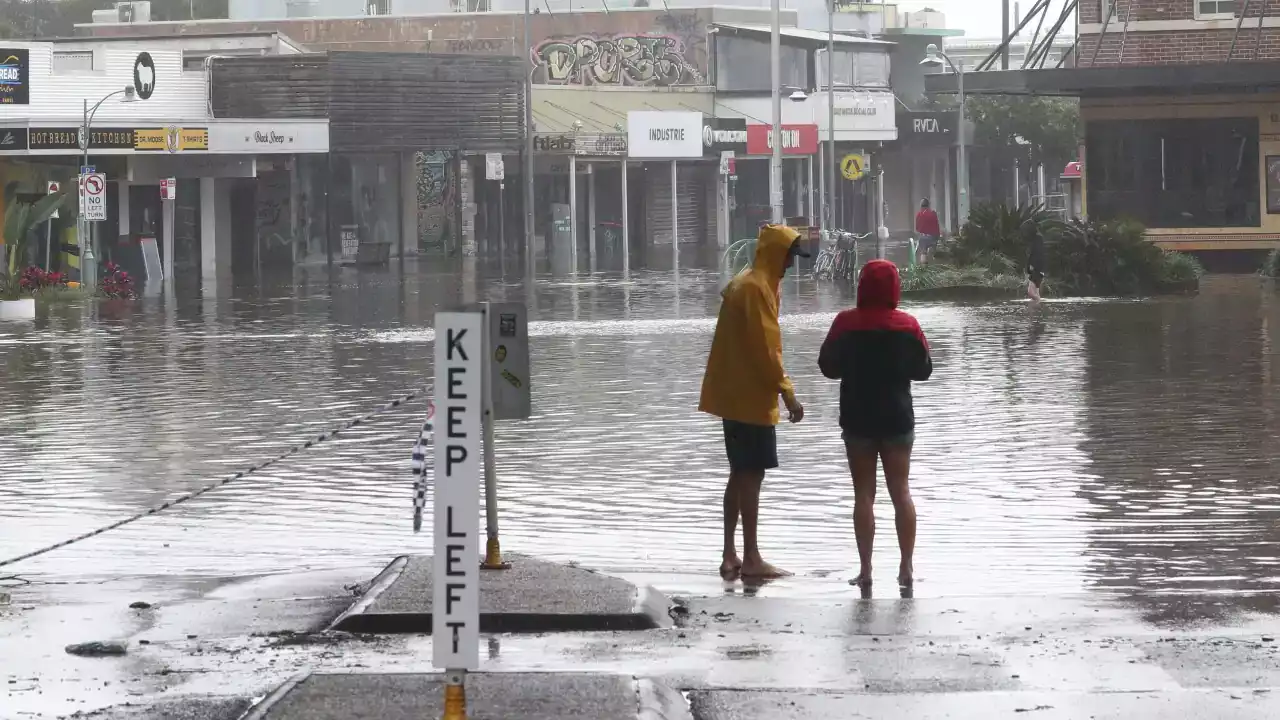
column 93, row 197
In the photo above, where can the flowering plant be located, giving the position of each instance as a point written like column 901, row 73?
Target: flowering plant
column 34, row 279
column 116, row 283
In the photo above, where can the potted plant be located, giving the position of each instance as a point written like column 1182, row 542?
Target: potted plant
column 20, row 218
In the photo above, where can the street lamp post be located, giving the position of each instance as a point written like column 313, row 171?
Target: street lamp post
column 528, row 151
column 829, row 171
column 88, row 262
column 937, row 58
column 775, row 132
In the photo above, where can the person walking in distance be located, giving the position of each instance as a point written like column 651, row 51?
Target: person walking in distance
column 928, row 231
column 876, row 351
column 742, row 384
column 1036, row 258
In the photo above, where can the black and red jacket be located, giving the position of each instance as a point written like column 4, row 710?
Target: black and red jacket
column 875, row 351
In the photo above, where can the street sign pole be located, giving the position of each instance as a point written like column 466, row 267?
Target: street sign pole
column 493, row 546
column 459, row 364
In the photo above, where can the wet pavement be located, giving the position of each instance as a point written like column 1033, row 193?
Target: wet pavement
column 1116, row 453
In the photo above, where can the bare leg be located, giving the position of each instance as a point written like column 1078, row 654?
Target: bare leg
column 753, row 565
column 897, row 468
column 862, row 465
column 732, row 563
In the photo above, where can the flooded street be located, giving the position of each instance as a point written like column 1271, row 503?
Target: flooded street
column 1117, row 447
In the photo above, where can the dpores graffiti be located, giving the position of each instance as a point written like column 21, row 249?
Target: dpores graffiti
column 643, row 60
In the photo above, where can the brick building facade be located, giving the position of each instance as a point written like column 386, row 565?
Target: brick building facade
column 1177, row 32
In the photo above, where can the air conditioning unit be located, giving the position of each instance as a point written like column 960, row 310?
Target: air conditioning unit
column 138, row 11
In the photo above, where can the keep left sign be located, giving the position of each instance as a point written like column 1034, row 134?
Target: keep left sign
column 455, row 602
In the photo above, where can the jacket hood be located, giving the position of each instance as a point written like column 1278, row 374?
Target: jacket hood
column 879, row 286
column 772, row 246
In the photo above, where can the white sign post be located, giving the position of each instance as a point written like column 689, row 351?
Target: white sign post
column 455, row 602
column 93, row 197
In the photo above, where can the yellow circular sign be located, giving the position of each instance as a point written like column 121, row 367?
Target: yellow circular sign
column 853, row 167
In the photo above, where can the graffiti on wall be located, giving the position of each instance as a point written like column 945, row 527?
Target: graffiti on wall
column 436, row 186
column 642, row 60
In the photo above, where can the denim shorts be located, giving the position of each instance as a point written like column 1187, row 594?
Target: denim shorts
column 859, row 443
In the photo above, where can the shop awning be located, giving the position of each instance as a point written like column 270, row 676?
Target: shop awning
column 1111, row 81
column 604, row 110
column 811, row 38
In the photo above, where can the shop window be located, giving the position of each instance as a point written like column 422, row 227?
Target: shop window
column 865, row 69
column 72, row 61
column 742, row 64
column 1175, row 173
column 1215, row 9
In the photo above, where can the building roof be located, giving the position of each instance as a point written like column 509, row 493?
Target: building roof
column 1113, row 81
column 816, row 38
column 924, row 32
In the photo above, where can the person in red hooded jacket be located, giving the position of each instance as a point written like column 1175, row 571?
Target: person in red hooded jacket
column 876, row 351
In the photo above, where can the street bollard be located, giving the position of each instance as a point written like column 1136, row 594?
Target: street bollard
column 455, row 695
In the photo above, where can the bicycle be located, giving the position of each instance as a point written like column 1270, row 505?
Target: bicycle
column 838, row 260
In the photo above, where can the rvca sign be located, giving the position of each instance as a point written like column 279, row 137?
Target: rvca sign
column 927, row 127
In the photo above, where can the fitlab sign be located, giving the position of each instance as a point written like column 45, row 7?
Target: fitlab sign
column 664, row 135
column 796, row 139
column 15, row 76
column 459, row 362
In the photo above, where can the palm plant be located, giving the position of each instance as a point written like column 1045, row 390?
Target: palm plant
column 992, row 237
column 20, row 218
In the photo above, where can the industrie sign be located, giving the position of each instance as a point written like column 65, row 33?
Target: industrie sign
column 666, row 135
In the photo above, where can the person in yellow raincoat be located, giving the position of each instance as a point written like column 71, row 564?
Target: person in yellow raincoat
column 742, row 384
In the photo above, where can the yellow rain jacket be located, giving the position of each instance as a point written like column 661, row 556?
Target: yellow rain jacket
column 744, row 373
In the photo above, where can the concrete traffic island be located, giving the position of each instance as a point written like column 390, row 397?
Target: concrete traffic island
column 532, row 596
column 490, row 696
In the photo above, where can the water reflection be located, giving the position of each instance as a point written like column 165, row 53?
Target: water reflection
column 1181, row 403
column 1115, row 446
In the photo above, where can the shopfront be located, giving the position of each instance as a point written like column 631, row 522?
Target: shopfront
column 678, row 183
column 400, row 176
column 147, row 122
column 920, row 165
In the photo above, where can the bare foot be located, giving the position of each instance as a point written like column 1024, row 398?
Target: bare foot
column 761, row 569
column 906, row 577
column 731, row 566
column 863, row 580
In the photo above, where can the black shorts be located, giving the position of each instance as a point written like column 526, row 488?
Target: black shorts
column 750, row 447
column 1035, row 276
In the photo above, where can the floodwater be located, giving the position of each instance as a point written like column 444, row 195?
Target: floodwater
column 1100, row 446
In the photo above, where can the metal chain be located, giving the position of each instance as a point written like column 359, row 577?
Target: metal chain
column 225, row 481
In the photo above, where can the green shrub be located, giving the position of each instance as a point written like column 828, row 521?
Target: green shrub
column 1180, row 272
column 938, row 275
column 1271, row 266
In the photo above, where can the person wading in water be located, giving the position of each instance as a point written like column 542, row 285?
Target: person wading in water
column 876, row 351
column 742, row 384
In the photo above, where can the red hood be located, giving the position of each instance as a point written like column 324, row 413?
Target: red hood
column 879, row 286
